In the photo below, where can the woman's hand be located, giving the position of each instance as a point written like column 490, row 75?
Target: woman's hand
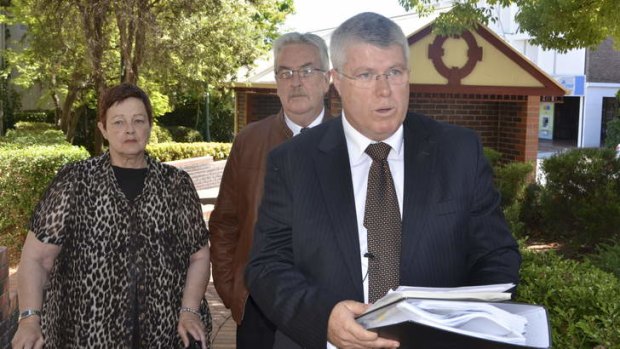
column 28, row 335
column 190, row 323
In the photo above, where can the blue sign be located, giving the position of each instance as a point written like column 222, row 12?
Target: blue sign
column 575, row 84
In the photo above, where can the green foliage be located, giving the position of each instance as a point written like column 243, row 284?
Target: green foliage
column 612, row 136
column 189, row 111
column 553, row 24
column 35, row 116
column 493, row 156
column 176, row 151
column 173, row 47
column 27, row 134
column 583, row 302
column 511, row 180
column 182, row 134
column 25, row 173
column 607, row 257
column 581, row 198
column 160, row 134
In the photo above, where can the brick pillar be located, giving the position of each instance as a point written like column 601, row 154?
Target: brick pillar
column 8, row 302
column 530, row 152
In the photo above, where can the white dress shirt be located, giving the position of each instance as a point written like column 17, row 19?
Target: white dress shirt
column 296, row 129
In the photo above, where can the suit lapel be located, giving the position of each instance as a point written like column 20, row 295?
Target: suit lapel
column 419, row 155
column 334, row 173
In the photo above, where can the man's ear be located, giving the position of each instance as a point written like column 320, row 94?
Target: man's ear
column 336, row 79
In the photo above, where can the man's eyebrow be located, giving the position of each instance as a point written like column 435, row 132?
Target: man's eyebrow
column 301, row 66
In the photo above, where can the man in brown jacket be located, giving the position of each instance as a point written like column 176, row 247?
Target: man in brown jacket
column 302, row 77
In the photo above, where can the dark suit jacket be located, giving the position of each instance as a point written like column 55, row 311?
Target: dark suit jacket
column 306, row 255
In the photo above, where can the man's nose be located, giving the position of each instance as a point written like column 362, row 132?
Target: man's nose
column 382, row 86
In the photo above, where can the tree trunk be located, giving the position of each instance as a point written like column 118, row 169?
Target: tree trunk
column 67, row 120
column 94, row 15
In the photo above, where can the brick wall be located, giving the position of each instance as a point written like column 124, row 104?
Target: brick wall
column 8, row 302
column 261, row 106
column 506, row 123
column 602, row 63
column 205, row 172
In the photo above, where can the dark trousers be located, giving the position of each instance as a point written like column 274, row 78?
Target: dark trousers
column 255, row 331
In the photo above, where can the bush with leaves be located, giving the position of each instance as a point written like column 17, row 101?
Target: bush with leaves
column 184, row 134
column 45, row 116
column 25, row 173
column 27, row 134
column 582, row 301
column 581, row 197
column 612, row 135
column 607, row 257
column 160, row 134
column 172, row 151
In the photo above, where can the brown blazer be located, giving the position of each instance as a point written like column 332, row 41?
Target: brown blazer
column 231, row 224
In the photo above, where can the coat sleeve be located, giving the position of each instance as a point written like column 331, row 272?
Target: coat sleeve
column 224, row 226
column 297, row 305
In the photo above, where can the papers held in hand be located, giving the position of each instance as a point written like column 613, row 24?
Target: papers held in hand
column 462, row 317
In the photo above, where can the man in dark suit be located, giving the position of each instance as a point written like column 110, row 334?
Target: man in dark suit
column 319, row 255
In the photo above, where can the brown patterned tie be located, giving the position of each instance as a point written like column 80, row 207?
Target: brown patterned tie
column 382, row 220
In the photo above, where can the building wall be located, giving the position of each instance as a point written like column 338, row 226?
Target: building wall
column 593, row 111
column 603, row 63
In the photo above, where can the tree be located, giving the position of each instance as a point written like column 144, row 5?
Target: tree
column 76, row 48
column 553, row 24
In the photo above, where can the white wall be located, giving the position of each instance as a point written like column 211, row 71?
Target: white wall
column 590, row 135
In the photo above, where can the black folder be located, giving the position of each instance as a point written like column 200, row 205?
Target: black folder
column 414, row 335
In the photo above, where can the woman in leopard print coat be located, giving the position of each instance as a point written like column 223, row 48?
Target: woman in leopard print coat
column 119, row 245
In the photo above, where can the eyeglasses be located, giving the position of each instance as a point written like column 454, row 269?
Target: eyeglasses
column 303, row 73
column 394, row 76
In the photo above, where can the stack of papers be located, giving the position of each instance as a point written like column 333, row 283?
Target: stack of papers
column 467, row 311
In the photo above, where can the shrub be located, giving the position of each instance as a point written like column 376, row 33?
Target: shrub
column 492, row 155
column 24, row 175
column 511, row 180
column 46, row 116
column 581, row 198
column 612, row 135
column 160, row 134
column 28, row 134
column 184, row 134
column 607, row 257
column 175, row 151
column 582, row 301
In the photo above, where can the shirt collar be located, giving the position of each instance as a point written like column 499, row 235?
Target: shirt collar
column 357, row 142
column 296, row 128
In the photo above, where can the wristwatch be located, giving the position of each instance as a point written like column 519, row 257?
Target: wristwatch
column 28, row 313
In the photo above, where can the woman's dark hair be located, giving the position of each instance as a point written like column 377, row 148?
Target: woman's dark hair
column 120, row 93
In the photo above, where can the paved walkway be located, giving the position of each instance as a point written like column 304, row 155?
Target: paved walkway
column 224, row 327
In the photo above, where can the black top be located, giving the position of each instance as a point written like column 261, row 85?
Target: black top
column 131, row 180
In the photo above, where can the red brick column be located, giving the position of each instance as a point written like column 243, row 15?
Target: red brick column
column 531, row 129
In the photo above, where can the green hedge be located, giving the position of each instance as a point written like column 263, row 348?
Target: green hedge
column 184, row 134
column 35, row 116
column 171, row 151
column 580, row 200
column 583, row 302
column 24, row 175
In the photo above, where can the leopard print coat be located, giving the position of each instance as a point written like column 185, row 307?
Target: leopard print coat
column 117, row 254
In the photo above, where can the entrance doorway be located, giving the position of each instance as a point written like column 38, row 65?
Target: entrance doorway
column 566, row 121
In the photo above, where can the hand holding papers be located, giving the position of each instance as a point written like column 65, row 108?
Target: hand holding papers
column 467, row 314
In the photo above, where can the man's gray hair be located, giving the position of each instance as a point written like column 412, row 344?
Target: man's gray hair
column 299, row 38
column 369, row 28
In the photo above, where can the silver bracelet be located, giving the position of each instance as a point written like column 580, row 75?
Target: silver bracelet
column 190, row 310
column 28, row 313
